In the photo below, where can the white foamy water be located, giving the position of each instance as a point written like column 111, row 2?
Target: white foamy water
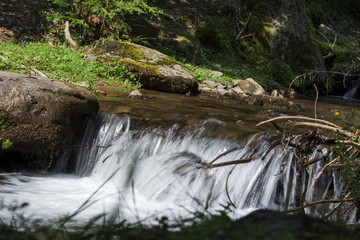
column 140, row 174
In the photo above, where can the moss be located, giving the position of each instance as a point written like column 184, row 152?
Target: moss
column 166, row 61
column 269, row 31
column 123, row 49
column 3, row 121
column 140, row 67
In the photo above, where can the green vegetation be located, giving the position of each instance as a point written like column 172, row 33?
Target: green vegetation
column 93, row 19
column 5, row 144
column 350, row 156
column 335, row 23
column 61, row 63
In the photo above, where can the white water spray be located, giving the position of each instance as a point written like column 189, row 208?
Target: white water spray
column 140, row 174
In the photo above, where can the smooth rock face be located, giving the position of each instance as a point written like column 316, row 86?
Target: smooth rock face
column 40, row 117
column 155, row 70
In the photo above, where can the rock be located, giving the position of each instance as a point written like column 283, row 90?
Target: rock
column 238, row 90
column 40, row 117
column 216, row 74
column 276, row 93
column 236, row 82
column 251, row 86
column 211, row 83
column 287, row 33
column 269, row 224
column 223, row 92
column 154, row 70
column 220, row 86
column 91, row 57
column 136, row 94
column 207, row 90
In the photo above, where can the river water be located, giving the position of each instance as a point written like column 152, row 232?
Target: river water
column 139, row 160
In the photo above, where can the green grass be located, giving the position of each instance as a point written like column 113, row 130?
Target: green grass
column 61, row 63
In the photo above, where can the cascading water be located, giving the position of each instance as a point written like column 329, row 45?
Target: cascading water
column 139, row 174
column 353, row 92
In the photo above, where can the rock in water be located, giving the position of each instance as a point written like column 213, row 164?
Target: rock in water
column 40, row 117
column 136, row 94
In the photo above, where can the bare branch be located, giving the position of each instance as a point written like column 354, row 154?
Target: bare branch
column 240, row 161
column 226, row 188
column 300, row 118
column 223, row 154
column 68, row 37
column 316, row 100
column 38, row 72
column 319, row 202
column 242, row 30
column 322, row 170
column 333, row 129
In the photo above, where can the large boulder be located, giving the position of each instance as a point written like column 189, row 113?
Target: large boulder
column 285, row 30
column 38, row 118
column 155, row 70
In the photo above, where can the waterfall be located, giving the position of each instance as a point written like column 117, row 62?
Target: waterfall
column 132, row 173
column 352, row 93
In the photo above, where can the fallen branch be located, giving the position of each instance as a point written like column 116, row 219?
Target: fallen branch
column 245, row 160
column 322, row 170
column 208, row 197
column 89, row 145
column 300, row 118
column 316, row 100
column 226, row 188
column 223, row 154
column 246, row 23
column 319, row 202
column 349, row 142
column 333, row 129
column 312, row 161
column 38, row 72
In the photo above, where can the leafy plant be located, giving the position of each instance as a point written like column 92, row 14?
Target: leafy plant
column 94, row 19
column 350, row 156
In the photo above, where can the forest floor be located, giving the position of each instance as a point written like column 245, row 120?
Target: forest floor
column 21, row 20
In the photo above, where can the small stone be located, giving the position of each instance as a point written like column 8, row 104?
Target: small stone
column 205, row 89
column 216, row 74
column 236, row 82
column 238, row 90
column 276, row 93
column 136, row 94
column 220, row 86
column 223, row 92
column 211, row 83
column 90, row 57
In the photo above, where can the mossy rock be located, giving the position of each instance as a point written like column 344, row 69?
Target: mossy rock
column 286, row 33
column 154, row 70
column 119, row 49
